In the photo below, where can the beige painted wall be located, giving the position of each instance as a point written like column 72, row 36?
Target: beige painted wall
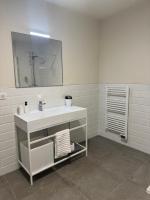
column 80, row 36
column 125, row 47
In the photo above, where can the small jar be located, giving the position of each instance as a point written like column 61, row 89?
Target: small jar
column 20, row 110
column 68, row 101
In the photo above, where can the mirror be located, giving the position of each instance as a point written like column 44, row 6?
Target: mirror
column 37, row 61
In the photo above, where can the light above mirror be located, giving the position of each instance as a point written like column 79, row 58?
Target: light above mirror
column 40, row 35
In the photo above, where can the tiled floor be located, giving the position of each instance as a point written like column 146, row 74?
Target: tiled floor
column 110, row 172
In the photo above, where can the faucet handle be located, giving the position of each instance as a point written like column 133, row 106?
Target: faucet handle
column 42, row 102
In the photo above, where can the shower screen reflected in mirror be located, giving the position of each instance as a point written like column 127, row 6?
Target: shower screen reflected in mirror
column 37, row 61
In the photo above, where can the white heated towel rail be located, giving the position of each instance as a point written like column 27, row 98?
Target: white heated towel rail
column 117, row 101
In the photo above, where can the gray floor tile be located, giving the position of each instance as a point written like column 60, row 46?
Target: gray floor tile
column 90, row 179
column 19, row 184
column 101, row 147
column 142, row 175
column 57, row 188
column 77, row 168
column 121, row 166
column 129, row 191
column 3, row 181
column 110, row 172
column 6, row 194
column 134, row 154
column 65, row 193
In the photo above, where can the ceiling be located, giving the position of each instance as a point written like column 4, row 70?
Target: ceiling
column 96, row 8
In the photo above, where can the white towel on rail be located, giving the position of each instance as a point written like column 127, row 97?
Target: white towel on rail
column 62, row 143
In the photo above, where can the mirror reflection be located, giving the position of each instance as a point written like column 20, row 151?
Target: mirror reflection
column 37, row 61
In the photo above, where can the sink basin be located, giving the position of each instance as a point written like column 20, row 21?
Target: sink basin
column 38, row 120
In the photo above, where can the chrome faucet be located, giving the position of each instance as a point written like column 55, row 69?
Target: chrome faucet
column 41, row 104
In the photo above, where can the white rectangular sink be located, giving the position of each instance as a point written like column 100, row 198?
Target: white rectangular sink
column 38, row 120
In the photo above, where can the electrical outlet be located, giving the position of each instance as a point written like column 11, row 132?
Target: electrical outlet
column 3, row 95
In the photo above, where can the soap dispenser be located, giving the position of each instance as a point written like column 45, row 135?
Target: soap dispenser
column 26, row 107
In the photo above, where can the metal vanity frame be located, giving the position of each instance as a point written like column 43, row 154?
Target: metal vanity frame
column 84, row 148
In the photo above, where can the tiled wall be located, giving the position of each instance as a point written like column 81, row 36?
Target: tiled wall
column 139, row 117
column 83, row 95
column 91, row 96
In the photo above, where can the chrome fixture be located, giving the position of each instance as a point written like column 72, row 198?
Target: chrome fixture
column 41, row 104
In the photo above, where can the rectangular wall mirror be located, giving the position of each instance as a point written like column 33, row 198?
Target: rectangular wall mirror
column 37, row 61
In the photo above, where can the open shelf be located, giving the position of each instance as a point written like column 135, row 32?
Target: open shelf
column 39, row 139
column 78, row 149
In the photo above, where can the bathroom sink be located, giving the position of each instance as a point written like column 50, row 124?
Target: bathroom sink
column 38, row 120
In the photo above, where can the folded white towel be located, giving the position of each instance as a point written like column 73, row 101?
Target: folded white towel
column 62, row 143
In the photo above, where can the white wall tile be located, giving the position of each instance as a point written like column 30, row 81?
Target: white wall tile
column 11, row 151
column 6, row 119
column 7, row 127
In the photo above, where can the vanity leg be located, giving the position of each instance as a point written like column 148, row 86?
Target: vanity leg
column 86, row 139
column 29, row 153
column 31, row 179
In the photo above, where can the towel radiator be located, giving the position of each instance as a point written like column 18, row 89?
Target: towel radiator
column 117, row 102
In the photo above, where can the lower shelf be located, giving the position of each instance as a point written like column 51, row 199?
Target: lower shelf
column 78, row 150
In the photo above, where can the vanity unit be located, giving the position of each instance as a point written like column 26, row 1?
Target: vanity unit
column 36, row 135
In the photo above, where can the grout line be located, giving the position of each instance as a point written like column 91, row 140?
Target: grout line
column 11, row 148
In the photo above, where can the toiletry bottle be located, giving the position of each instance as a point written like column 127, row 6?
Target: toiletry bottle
column 26, row 107
column 20, row 110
